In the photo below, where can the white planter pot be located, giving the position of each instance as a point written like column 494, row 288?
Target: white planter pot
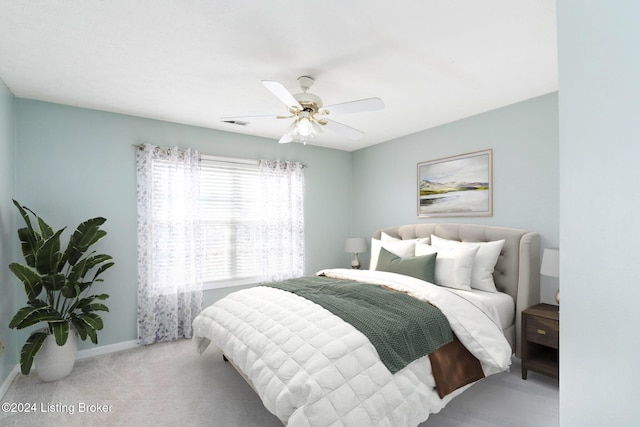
column 54, row 362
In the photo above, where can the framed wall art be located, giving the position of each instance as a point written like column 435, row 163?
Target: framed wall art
column 456, row 186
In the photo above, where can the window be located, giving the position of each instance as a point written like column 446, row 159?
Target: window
column 211, row 222
column 252, row 217
column 230, row 221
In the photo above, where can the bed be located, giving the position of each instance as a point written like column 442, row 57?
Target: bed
column 310, row 367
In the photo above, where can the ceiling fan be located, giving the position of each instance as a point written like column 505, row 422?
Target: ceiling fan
column 310, row 116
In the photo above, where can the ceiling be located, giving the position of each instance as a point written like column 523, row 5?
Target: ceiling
column 195, row 61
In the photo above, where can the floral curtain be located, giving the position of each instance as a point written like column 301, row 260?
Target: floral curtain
column 281, row 196
column 169, row 243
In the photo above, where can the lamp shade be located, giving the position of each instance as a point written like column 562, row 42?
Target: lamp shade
column 355, row 245
column 550, row 262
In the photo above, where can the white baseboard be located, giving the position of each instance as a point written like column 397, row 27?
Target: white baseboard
column 106, row 349
column 7, row 382
column 82, row 354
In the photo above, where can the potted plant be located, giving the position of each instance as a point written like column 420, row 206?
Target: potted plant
column 57, row 284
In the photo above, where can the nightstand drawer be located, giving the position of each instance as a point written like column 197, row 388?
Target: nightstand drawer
column 540, row 340
column 543, row 331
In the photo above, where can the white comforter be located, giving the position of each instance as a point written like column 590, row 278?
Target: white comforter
column 310, row 368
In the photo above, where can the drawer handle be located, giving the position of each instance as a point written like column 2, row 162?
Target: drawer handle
column 542, row 332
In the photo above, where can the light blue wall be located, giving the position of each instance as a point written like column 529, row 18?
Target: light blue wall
column 524, row 139
column 7, row 172
column 76, row 163
column 599, row 53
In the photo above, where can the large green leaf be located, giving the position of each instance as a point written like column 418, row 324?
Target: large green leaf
column 84, row 265
column 94, row 307
column 102, row 269
column 85, row 235
column 103, row 262
column 96, row 260
column 83, row 286
column 85, row 304
column 60, row 331
column 29, row 243
column 70, row 290
column 25, row 215
column 80, row 326
column 45, row 229
column 30, row 349
column 91, row 333
column 29, row 316
column 48, row 255
column 29, row 278
column 92, row 320
column 87, row 324
column 78, row 271
column 54, row 282
column 29, row 238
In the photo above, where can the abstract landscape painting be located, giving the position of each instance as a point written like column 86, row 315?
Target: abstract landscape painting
column 456, row 186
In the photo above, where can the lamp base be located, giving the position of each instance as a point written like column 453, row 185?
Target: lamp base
column 355, row 263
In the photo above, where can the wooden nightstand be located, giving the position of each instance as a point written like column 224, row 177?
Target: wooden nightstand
column 541, row 340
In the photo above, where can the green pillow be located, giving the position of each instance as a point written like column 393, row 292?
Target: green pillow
column 421, row 267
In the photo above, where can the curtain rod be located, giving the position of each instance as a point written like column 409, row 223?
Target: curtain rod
column 229, row 159
column 220, row 158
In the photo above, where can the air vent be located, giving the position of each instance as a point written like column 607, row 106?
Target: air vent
column 236, row 122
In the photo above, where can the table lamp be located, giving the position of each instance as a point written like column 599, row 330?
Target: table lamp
column 355, row 246
column 551, row 266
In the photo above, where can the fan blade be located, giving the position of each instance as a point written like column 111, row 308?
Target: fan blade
column 260, row 117
column 282, row 94
column 342, row 129
column 360, row 106
column 288, row 135
column 286, row 138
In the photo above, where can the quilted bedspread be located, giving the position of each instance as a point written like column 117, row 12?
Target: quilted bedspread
column 310, row 368
column 400, row 327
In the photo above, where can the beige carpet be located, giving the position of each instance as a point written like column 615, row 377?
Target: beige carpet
column 166, row 384
column 169, row 384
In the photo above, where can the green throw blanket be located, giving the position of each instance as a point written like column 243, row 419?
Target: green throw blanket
column 400, row 327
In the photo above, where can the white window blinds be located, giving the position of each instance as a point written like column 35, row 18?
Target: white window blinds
column 230, row 221
column 243, row 220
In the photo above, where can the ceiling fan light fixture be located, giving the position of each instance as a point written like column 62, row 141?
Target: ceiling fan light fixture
column 293, row 134
column 316, row 127
column 304, row 126
column 304, row 138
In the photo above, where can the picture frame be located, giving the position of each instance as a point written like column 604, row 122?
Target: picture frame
column 459, row 185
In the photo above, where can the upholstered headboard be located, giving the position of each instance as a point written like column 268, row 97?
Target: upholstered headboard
column 517, row 271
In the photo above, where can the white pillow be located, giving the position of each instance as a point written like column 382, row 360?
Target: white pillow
column 483, row 264
column 453, row 266
column 401, row 248
column 385, row 238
